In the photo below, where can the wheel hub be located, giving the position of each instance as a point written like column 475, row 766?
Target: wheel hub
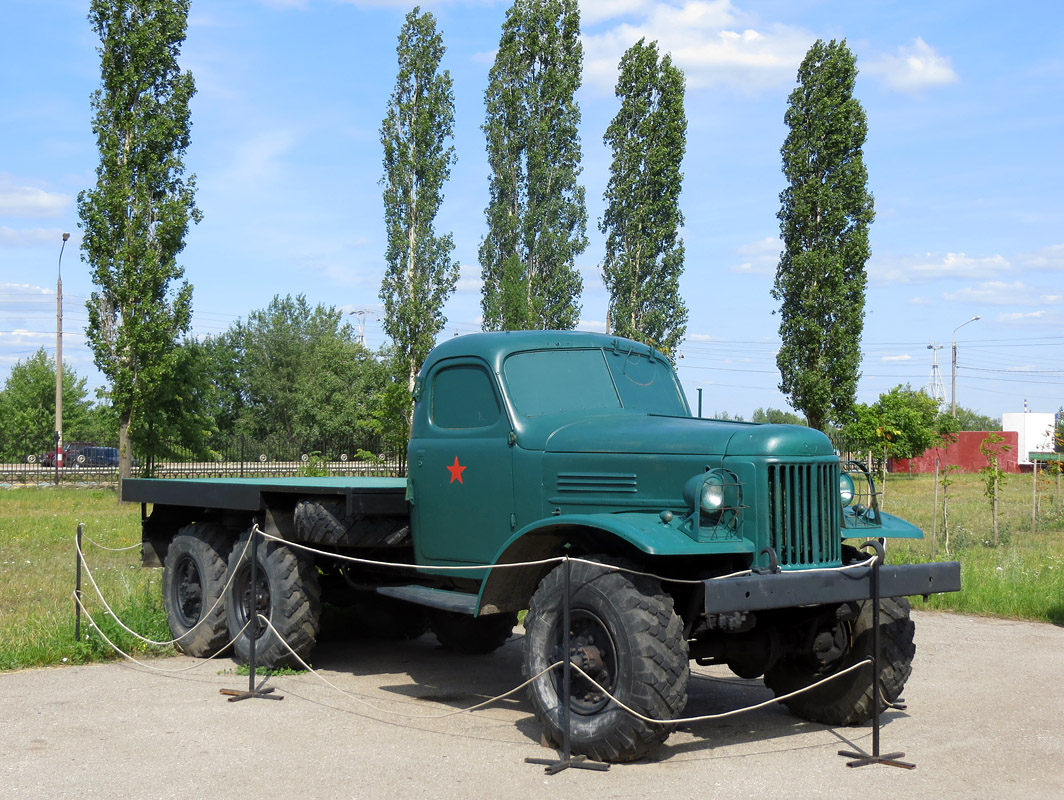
column 591, row 648
column 189, row 592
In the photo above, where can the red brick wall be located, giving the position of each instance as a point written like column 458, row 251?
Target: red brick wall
column 964, row 453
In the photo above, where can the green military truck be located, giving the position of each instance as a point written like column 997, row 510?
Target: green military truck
column 687, row 538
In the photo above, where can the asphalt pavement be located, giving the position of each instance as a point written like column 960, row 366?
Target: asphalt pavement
column 985, row 719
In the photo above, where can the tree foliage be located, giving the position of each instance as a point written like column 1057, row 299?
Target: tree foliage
column 776, row 416
column 536, row 215
column 301, row 373
column 644, row 254
column 968, row 420
column 420, row 274
column 27, row 408
column 825, row 214
column 136, row 218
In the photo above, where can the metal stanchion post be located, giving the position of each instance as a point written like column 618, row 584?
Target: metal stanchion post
column 863, row 759
column 253, row 629
column 77, row 588
column 554, row 766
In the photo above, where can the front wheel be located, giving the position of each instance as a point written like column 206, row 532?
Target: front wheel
column 847, row 700
column 286, row 593
column 625, row 634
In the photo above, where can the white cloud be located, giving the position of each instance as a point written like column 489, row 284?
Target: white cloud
column 1001, row 293
column 29, row 201
column 710, row 41
column 913, row 69
column 902, row 357
column 1051, row 258
column 29, row 237
column 922, row 301
column 891, row 269
column 469, row 280
column 1022, row 317
column 760, row 257
column 594, row 11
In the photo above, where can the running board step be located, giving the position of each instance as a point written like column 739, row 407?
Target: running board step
column 458, row 602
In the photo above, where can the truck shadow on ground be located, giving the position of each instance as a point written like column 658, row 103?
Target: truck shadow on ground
column 422, row 670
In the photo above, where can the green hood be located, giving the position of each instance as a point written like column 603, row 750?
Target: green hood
column 647, row 434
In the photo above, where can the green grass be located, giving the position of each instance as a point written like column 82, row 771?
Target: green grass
column 1022, row 578
column 37, row 577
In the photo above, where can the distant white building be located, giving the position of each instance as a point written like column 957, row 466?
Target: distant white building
column 1035, row 430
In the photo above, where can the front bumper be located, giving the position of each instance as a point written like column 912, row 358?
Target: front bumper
column 824, row 587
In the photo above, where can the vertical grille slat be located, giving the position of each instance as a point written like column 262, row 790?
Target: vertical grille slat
column 804, row 513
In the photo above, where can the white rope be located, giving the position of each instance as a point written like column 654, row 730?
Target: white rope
column 600, row 687
column 110, row 549
column 539, row 562
column 723, row 714
column 130, row 631
column 357, row 699
column 398, row 565
column 200, row 662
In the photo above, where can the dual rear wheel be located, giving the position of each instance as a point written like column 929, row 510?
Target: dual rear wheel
column 211, row 603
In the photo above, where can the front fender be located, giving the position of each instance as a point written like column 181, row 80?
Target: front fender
column 509, row 588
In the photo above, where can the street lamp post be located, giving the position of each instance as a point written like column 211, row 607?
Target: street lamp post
column 953, row 389
column 59, row 363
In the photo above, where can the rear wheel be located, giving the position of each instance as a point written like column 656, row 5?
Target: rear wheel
column 473, row 635
column 625, row 634
column 193, row 579
column 847, row 700
column 286, row 593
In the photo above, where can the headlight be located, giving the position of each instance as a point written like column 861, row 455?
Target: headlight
column 846, row 491
column 716, row 498
column 712, row 498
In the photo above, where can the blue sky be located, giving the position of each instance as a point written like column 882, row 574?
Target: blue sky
column 965, row 155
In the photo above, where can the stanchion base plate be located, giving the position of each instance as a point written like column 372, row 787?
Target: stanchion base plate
column 556, row 765
column 864, row 759
column 264, row 694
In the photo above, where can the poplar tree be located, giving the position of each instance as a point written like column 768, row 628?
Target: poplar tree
column 536, row 216
column 136, row 218
column 825, row 214
column 644, row 254
column 420, row 274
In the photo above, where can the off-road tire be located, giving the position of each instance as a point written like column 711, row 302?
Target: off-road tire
column 847, row 700
column 631, row 622
column 289, row 596
column 472, row 635
column 325, row 520
column 193, row 579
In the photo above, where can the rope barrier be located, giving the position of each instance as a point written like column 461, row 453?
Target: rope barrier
column 112, row 549
column 535, row 563
column 130, row 631
column 541, row 562
column 197, row 665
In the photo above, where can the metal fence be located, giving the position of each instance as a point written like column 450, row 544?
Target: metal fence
column 238, row 456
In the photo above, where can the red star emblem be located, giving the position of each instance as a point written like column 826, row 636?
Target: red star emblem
column 456, row 471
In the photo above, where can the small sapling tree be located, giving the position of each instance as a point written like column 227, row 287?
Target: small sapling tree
column 992, row 448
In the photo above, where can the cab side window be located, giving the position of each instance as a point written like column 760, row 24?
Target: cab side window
column 463, row 397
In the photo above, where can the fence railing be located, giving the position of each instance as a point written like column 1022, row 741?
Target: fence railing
column 237, row 456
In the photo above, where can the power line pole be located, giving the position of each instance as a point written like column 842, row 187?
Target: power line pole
column 59, row 363
column 934, row 386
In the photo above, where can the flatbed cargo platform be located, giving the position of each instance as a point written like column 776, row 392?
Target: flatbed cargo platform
column 372, row 495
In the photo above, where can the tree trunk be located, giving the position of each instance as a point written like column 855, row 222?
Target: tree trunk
column 125, row 451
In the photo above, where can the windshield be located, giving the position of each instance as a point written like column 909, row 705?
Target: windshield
column 556, row 381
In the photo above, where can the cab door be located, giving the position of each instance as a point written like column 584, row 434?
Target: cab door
column 461, row 465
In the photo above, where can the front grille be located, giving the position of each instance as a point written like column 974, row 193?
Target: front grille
column 805, row 513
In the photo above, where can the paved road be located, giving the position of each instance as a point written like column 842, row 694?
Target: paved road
column 985, row 720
